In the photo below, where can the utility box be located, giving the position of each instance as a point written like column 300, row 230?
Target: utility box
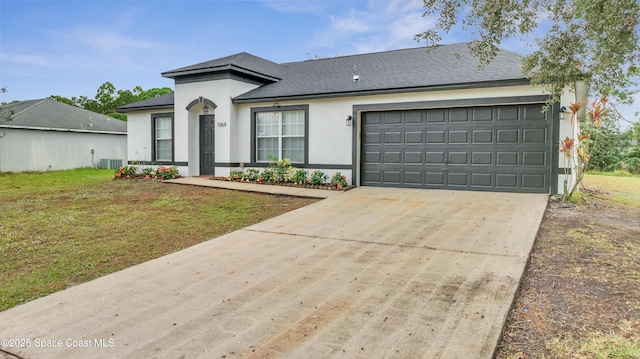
column 110, row 163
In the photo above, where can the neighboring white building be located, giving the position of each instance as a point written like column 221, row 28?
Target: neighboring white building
column 49, row 135
column 405, row 118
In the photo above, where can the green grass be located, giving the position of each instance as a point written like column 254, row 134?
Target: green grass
column 62, row 228
column 617, row 173
column 41, row 180
column 600, row 345
column 622, row 189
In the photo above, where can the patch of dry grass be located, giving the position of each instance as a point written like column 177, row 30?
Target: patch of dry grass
column 580, row 294
column 616, row 344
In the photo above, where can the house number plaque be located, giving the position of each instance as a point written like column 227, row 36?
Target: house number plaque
column 221, row 124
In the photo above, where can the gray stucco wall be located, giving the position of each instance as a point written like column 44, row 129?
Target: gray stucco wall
column 24, row 150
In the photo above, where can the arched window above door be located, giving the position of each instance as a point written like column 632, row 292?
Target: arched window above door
column 201, row 100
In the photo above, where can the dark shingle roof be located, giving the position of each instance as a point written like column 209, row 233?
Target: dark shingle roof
column 416, row 69
column 386, row 71
column 51, row 114
column 242, row 62
column 162, row 101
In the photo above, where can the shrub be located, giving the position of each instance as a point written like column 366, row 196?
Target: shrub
column 317, row 178
column 236, row 175
column 289, row 173
column 148, row 171
column 126, row 172
column 267, row 174
column 277, row 171
column 632, row 165
column 338, row 180
column 284, row 163
column 161, row 172
column 166, row 173
column 300, row 176
column 252, row 175
column 278, row 174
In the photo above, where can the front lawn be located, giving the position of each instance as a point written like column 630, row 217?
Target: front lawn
column 63, row 228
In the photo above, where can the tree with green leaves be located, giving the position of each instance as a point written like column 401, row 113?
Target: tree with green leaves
column 610, row 152
column 5, row 116
column 108, row 99
column 595, row 41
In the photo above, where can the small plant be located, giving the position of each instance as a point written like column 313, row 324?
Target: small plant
column 289, row 173
column 317, row 178
column 236, row 175
column 283, row 172
column 252, row 175
column 338, row 180
column 148, row 173
column 577, row 150
column 166, row 173
column 267, row 175
column 300, row 176
column 126, row 172
column 284, row 163
column 278, row 174
column 278, row 170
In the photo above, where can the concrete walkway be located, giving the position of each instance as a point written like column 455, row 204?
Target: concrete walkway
column 368, row 273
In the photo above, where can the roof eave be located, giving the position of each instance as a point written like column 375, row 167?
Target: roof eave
column 175, row 74
column 20, row 127
column 145, row 108
column 470, row 85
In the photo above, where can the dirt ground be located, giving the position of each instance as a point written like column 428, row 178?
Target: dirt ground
column 582, row 282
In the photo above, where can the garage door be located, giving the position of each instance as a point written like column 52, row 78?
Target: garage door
column 491, row 148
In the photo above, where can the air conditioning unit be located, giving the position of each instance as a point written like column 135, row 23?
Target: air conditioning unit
column 110, row 163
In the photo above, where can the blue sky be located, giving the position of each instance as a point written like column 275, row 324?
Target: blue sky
column 70, row 48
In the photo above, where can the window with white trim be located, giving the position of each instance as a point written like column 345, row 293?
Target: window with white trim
column 163, row 137
column 280, row 135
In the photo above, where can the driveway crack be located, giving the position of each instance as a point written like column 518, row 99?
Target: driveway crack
column 391, row 244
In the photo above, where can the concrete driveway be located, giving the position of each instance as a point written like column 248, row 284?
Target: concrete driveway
column 369, row 273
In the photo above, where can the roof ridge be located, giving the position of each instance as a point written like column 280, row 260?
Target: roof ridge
column 39, row 101
column 374, row 53
column 49, row 113
column 397, row 50
column 82, row 109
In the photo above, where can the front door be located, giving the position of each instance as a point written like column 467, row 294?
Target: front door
column 207, row 145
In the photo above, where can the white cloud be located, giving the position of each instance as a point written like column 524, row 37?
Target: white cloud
column 84, row 48
column 106, row 40
column 631, row 113
column 299, row 6
column 374, row 26
column 25, row 59
column 350, row 25
column 37, row 65
column 402, row 6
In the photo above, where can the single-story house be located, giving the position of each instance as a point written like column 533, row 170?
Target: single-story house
column 404, row 118
column 46, row 135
